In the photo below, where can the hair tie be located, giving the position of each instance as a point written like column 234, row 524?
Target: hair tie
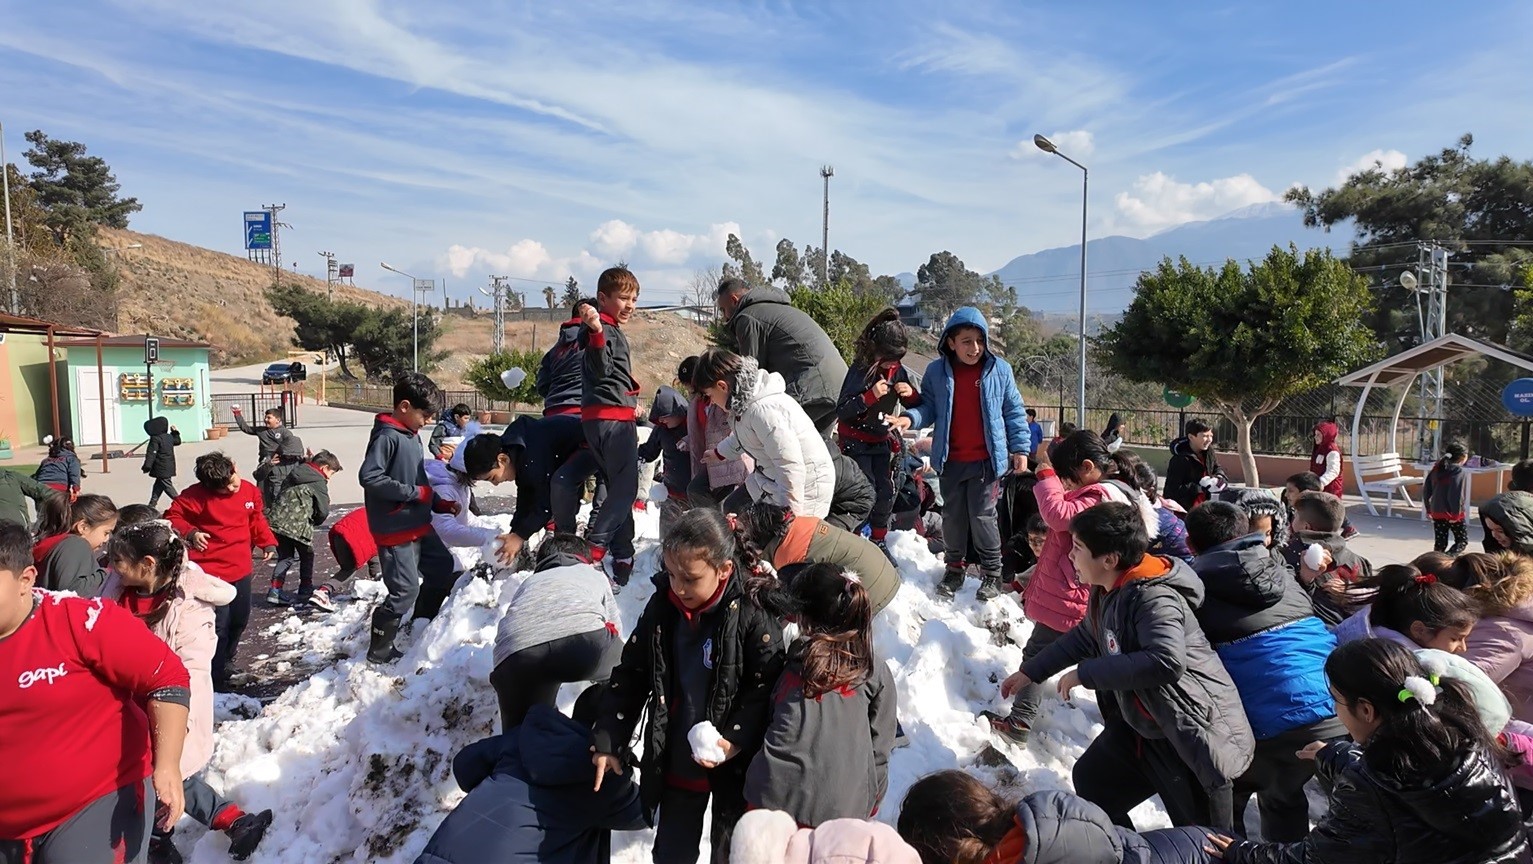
column 851, row 578
column 1422, row 690
column 1425, row 578
column 734, row 521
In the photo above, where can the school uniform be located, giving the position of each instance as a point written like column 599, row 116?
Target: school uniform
column 608, row 415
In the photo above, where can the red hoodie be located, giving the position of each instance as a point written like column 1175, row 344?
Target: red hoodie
column 72, row 680
column 235, row 522
column 352, row 528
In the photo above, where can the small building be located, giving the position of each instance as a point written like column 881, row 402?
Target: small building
column 123, row 392
column 31, row 369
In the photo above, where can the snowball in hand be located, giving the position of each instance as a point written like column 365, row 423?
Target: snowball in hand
column 513, row 377
column 706, row 741
column 1314, row 557
column 658, row 493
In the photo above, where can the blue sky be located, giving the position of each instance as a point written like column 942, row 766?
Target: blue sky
column 536, row 140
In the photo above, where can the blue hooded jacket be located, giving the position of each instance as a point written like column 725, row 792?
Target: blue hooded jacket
column 530, row 799
column 1001, row 406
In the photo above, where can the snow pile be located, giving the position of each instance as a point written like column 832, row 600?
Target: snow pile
column 356, row 760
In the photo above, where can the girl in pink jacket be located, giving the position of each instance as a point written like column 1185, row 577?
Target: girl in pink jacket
column 1502, row 643
column 151, row 577
column 1054, row 599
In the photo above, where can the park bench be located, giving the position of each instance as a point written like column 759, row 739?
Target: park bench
column 1381, row 475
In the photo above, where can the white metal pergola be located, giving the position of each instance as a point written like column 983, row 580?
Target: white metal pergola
column 1404, row 368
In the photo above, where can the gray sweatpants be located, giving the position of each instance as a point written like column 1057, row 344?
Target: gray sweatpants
column 109, row 830
column 402, row 576
column 969, row 492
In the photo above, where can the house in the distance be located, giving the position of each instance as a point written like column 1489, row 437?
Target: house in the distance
column 911, row 314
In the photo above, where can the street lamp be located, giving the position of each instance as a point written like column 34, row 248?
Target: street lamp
column 1047, row 146
column 418, row 286
column 10, row 239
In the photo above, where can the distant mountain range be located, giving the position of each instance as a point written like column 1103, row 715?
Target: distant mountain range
column 1048, row 281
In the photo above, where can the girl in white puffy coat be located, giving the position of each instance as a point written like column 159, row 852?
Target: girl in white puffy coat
column 793, row 462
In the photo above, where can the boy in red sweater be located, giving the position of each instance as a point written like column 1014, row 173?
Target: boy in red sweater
column 222, row 520
column 83, row 684
column 609, row 413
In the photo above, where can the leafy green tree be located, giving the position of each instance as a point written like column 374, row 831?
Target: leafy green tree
column 1477, row 208
column 484, row 376
column 741, row 263
column 946, row 284
column 571, row 294
column 320, row 323
column 788, row 273
column 840, row 311
column 1243, row 340
column 384, row 342
column 77, row 191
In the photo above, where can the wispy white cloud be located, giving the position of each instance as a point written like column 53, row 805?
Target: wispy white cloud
column 1383, row 160
column 1077, row 144
column 1159, row 201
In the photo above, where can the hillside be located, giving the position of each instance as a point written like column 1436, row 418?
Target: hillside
column 177, row 290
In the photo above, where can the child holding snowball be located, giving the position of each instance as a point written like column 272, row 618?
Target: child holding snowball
column 704, row 653
column 826, row 753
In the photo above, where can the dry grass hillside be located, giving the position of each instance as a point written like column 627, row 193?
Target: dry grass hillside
column 176, row 290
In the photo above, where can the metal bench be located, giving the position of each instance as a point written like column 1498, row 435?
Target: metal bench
column 1381, row 475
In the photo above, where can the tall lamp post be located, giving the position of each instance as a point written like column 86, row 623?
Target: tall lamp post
column 418, row 286
column 10, row 238
column 1047, row 146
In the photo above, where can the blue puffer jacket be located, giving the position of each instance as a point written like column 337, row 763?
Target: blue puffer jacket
column 530, row 799
column 1001, row 406
column 1264, row 629
column 1061, row 828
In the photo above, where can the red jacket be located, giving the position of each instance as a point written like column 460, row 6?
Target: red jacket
column 359, row 538
column 235, row 521
column 72, row 680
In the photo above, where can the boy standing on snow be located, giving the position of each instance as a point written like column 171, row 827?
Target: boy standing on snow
column 399, row 504
column 970, row 396
column 1179, row 729
column 609, row 415
column 303, row 506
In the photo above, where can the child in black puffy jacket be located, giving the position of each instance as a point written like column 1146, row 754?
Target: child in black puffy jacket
column 160, row 457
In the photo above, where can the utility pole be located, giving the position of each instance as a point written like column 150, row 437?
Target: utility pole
column 10, row 238
column 276, row 242
column 330, row 271
column 826, row 173
column 1430, row 280
column 498, row 292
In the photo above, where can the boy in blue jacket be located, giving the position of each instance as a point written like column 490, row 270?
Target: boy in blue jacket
column 530, row 797
column 1263, row 627
column 971, row 397
column 399, row 504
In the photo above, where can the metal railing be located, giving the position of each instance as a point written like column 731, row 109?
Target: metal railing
column 254, row 406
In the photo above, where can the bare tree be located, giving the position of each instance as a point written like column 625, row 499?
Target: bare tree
column 700, row 291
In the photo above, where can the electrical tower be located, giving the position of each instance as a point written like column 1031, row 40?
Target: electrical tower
column 276, row 241
column 498, row 293
column 826, row 173
column 331, row 268
column 1429, row 283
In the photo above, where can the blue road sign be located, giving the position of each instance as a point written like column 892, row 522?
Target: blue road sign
column 1518, row 397
column 257, row 230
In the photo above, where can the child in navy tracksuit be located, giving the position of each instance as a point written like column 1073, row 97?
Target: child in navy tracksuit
column 969, row 394
column 668, row 413
column 876, row 386
column 399, row 504
column 609, row 413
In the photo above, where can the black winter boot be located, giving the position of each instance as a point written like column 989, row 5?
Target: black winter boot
column 989, row 586
column 952, row 580
column 162, row 850
column 246, row 833
column 385, row 627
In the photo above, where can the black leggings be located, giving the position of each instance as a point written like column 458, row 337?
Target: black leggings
column 1121, row 770
column 1440, row 529
column 533, row 675
column 874, row 460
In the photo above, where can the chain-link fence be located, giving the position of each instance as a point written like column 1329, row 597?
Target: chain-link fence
column 1471, row 412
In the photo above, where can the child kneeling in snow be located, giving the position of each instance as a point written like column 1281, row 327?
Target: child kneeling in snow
column 1179, row 729
column 561, row 627
column 704, row 650
column 951, row 817
column 151, row 577
column 530, row 798
column 826, row 753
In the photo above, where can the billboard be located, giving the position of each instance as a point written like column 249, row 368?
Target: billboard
column 347, row 271
column 257, row 230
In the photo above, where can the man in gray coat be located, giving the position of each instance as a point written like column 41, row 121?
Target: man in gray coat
column 1174, row 725
column 785, row 340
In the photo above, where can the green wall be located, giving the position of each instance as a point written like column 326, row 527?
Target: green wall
column 192, row 420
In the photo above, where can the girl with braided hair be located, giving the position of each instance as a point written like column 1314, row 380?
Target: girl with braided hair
column 705, row 655
column 826, row 752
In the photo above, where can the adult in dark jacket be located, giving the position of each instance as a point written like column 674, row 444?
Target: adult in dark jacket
column 559, row 372
column 1194, row 461
column 787, row 341
column 450, row 425
column 160, row 457
column 530, row 799
column 15, row 489
column 1180, row 730
column 1264, row 628
column 746, row 658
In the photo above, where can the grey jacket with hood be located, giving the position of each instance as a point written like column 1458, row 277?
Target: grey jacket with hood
column 1142, row 642
column 786, row 340
column 1513, row 511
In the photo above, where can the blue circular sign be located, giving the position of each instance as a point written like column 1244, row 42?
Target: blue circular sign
column 1518, row 397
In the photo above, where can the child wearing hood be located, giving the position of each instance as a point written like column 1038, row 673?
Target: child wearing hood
column 1508, row 521
column 159, row 458
column 1325, row 462
column 1444, row 499
column 970, row 397
column 1174, row 722
column 668, row 414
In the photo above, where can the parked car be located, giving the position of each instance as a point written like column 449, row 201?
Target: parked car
column 283, row 373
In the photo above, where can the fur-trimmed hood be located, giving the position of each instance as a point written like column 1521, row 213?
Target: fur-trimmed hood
column 752, row 384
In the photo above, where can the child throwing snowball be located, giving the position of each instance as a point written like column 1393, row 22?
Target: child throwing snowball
column 1419, row 782
column 703, row 651
column 826, row 754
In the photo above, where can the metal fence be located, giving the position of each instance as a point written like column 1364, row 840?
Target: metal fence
column 254, row 406
column 381, row 397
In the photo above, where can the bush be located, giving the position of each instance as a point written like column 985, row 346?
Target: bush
column 484, row 376
column 840, row 311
